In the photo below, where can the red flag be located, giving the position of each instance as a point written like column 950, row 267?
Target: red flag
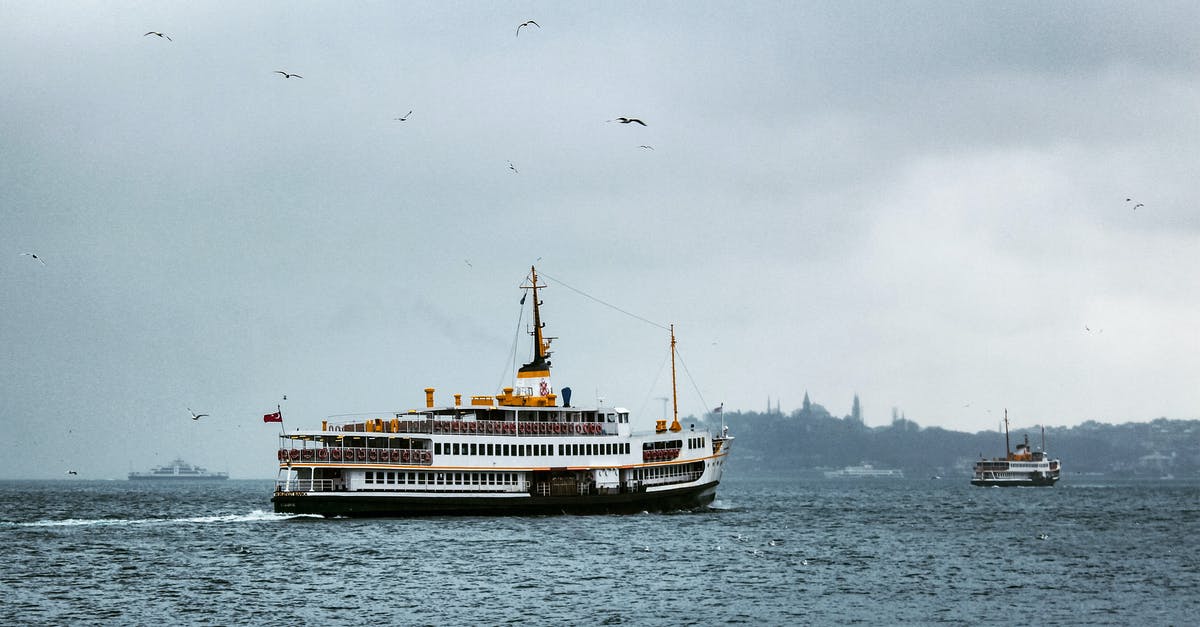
column 275, row 417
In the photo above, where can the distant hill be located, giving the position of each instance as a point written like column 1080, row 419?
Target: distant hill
column 811, row 438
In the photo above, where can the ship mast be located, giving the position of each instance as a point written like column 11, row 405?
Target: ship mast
column 674, row 396
column 539, row 346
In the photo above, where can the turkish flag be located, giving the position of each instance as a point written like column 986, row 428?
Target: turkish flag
column 275, row 417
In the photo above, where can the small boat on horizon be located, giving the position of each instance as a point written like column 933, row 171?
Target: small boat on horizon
column 1024, row 467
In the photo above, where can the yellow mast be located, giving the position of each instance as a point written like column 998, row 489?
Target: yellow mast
column 674, row 397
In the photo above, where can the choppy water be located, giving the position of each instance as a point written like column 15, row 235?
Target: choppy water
column 771, row 552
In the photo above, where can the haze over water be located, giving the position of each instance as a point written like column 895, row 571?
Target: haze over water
column 772, row 552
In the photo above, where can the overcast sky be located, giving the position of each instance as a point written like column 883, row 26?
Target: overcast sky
column 924, row 204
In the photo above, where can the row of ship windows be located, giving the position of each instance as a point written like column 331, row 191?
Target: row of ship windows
column 675, row 470
column 529, row 450
column 696, row 442
column 442, row 478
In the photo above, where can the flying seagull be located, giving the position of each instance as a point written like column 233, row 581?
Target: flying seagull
column 1135, row 207
column 405, row 118
column 513, row 168
column 527, row 23
column 195, row 416
column 628, row 120
column 72, row 472
column 646, row 147
column 286, row 75
column 39, row 259
column 154, row 32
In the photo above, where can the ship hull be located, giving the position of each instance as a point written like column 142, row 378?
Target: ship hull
column 352, row 504
column 1037, row 482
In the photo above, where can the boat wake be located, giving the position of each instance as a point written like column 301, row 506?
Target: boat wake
column 254, row 516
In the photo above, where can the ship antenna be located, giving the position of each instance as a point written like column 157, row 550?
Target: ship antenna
column 675, row 427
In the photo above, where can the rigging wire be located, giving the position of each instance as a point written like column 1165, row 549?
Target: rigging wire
column 512, row 353
column 703, row 404
column 662, row 366
column 606, row 304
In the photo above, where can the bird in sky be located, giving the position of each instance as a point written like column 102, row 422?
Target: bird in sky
column 527, row 23
column 646, row 147
column 154, row 32
column 195, row 416
column 513, row 168
column 1135, row 207
column 286, row 75
column 72, row 472
column 405, row 118
column 39, row 259
column 628, row 120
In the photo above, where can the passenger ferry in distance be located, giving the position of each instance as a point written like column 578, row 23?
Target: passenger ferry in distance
column 864, row 471
column 518, row 452
column 1025, row 467
column 178, row 470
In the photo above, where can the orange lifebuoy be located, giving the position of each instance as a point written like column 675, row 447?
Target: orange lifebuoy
column 373, row 455
column 322, row 454
column 361, row 454
column 404, row 456
column 395, row 456
column 294, row 454
column 336, row 454
column 282, row 454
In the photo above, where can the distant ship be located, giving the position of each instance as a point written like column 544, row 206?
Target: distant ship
column 178, row 470
column 1025, row 467
column 864, row 471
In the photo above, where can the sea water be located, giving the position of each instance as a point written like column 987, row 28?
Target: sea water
column 771, row 551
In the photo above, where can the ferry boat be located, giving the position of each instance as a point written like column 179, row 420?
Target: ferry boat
column 178, row 470
column 526, row 450
column 1025, row 467
column 864, row 471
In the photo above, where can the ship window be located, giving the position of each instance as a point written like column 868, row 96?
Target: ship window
column 505, row 453
column 441, row 478
column 437, row 448
column 391, row 477
column 370, row 477
column 473, row 448
column 489, row 449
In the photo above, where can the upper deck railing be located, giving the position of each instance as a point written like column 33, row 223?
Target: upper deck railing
column 471, row 427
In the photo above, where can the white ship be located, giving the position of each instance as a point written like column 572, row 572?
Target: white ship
column 519, row 452
column 1025, row 467
column 864, row 471
column 178, row 470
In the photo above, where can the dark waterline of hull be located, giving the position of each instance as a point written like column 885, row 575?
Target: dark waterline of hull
column 407, row 506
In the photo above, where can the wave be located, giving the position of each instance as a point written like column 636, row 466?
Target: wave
column 257, row 515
